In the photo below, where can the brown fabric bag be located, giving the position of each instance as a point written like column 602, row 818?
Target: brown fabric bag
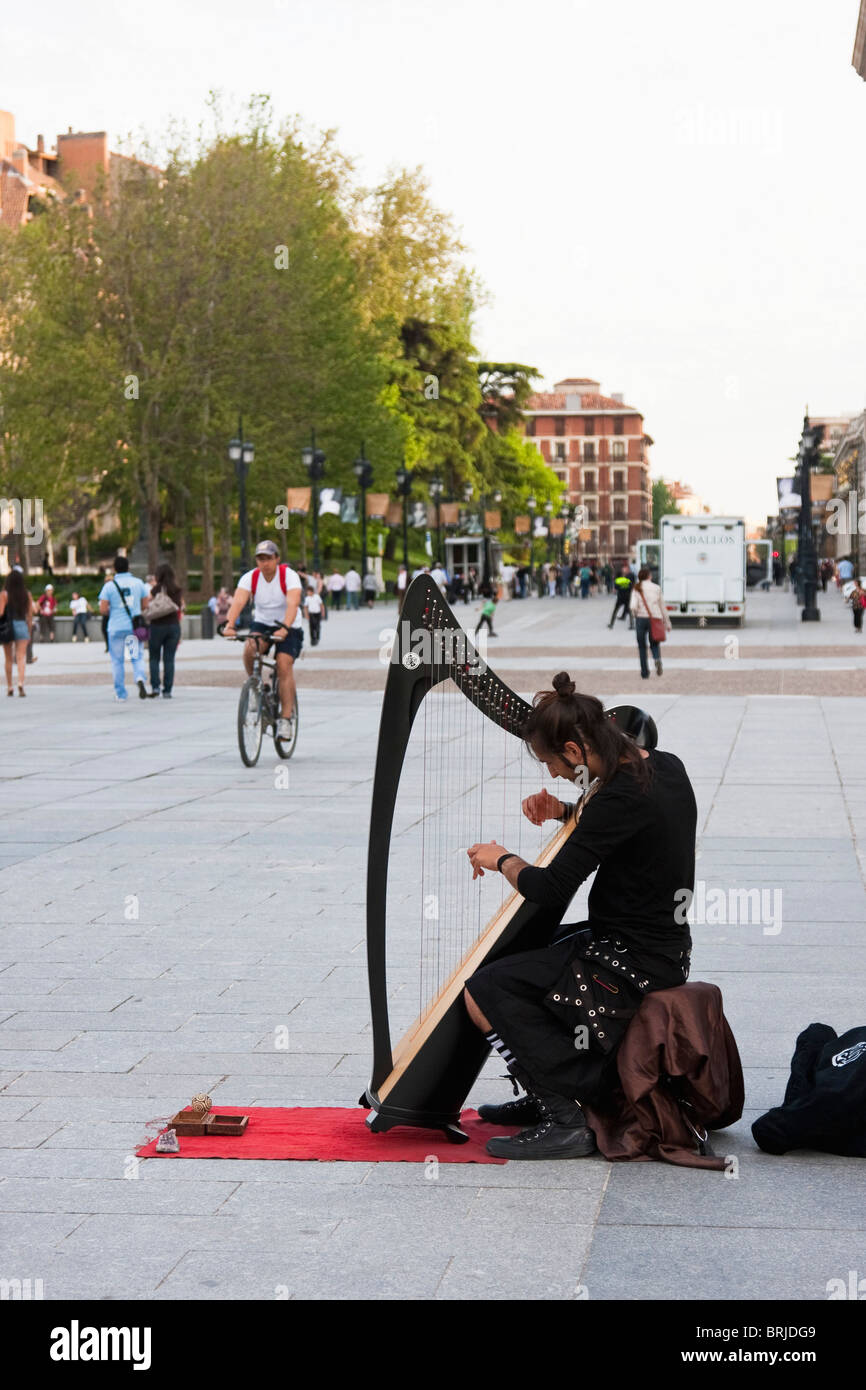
column 678, row 1068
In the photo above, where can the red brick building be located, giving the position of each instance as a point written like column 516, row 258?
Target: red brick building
column 597, row 446
column 74, row 169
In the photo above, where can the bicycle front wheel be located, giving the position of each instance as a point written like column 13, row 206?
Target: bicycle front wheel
column 286, row 746
column 250, row 722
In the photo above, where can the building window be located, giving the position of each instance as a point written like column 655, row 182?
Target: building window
column 589, row 453
column 559, row 424
column 589, row 480
column 560, row 453
column 620, row 540
column 589, row 424
column 618, row 424
column 619, row 512
column 530, row 428
column 618, row 480
column 619, row 450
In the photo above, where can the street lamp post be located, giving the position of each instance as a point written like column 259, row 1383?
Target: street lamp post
column 807, row 559
column 314, row 461
column 565, row 513
column 363, row 471
column 436, row 486
column 530, row 503
column 548, row 507
column 241, row 453
column 404, row 487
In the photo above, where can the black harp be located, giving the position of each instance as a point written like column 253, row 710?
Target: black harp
column 423, row 1079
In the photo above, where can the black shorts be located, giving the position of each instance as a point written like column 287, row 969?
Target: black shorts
column 291, row 643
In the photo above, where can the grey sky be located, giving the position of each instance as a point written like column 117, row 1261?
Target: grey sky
column 665, row 197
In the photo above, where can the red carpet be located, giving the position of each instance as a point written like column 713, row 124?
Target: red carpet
column 334, row 1135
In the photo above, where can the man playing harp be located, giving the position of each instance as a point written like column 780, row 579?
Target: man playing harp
column 557, row 1015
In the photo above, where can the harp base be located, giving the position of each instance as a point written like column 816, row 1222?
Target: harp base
column 383, row 1117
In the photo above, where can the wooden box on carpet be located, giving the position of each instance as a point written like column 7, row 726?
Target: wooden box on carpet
column 188, row 1124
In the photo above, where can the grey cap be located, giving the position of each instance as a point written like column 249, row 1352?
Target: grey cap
column 267, row 548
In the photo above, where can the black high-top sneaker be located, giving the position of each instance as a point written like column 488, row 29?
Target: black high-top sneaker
column 561, row 1133
column 523, row 1111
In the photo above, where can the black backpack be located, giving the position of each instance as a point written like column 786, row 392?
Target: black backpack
column 825, row 1100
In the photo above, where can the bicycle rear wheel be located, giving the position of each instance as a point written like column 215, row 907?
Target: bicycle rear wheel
column 250, row 721
column 286, row 746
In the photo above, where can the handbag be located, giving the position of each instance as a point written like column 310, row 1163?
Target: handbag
column 7, row 631
column 162, row 605
column 138, row 628
column 658, row 630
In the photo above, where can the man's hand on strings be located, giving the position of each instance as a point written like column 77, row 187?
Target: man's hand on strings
column 541, row 806
column 485, row 856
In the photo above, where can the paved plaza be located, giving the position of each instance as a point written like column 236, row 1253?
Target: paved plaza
column 165, row 911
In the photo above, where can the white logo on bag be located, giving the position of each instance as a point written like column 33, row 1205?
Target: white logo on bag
column 850, row 1054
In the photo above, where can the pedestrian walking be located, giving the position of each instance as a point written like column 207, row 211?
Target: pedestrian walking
column 651, row 620
column 622, row 588
column 585, row 580
column 607, row 576
column 353, row 589
column 164, row 614
column 79, row 608
column 16, row 623
column 47, row 608
column 487, row 611
column 336, row 586
column 857, row 598
column 313, row 606
column 122, row 600
column 371, row 588
column 223, row 604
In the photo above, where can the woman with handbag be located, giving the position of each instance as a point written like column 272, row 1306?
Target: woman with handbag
column 651, row 620
column 164, row 613
column 16, row 625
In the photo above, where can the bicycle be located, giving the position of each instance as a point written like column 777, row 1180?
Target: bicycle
column 259, row 706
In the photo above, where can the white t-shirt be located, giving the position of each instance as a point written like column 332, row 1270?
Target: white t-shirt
column 269, row 603
column 314, row 603
column 335, row 583
column 353, row 582
column 78, row 605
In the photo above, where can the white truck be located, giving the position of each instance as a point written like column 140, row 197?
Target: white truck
column 701, row 564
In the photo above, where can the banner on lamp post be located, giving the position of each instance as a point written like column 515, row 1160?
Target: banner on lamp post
column 394, row 515
column 377, row 506
column 521, row 526
column 557, row 525
column 349, row 510
column 329, row 501
column 298, row 500
column 450, row 512
column 492, row 521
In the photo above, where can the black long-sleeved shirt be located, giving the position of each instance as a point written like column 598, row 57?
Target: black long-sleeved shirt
column 642, row 841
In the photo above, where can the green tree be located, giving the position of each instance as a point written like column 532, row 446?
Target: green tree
column 664, row 503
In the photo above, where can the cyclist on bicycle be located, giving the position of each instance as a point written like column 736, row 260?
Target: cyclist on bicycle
column 276, row 593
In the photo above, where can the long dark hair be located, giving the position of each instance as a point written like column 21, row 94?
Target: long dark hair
column 643, row 573
column 562, row 715
column 165, row 580
column 16, row 595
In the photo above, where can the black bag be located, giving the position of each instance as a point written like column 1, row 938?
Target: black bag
column 7, row 631
column 825, row 1099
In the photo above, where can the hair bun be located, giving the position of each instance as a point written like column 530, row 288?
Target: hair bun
column 563, row 684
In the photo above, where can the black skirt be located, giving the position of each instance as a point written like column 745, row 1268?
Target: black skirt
column 562, row 1011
